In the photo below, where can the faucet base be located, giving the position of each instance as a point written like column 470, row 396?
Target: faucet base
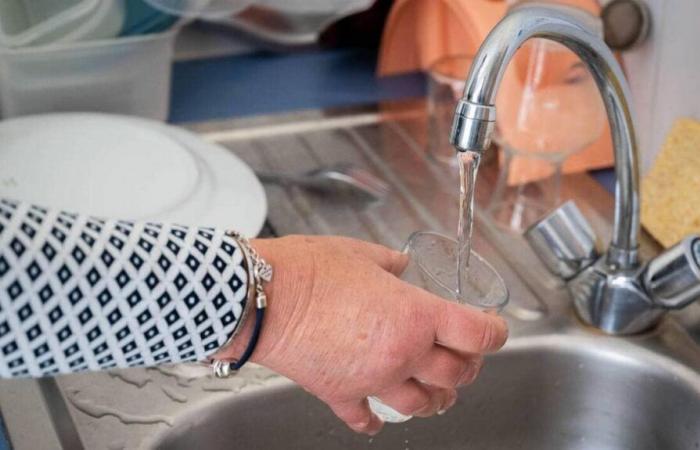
column 612, row 301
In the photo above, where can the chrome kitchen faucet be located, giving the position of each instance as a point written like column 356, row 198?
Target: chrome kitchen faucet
column 614, row 292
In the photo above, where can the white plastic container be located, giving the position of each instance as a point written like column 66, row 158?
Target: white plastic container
column 104, row 22
column 24, row 22
column 30, row 22
column 124, row 75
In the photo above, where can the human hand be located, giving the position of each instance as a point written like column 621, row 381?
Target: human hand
column 342, row 324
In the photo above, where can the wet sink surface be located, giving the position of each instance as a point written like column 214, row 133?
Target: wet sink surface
column 549, row 392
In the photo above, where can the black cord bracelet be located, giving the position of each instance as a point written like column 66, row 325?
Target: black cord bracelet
column 259, row 316
column 260, row 272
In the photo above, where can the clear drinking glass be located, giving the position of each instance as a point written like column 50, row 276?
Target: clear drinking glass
column 446, row 79
column 551, row 112
column 432, row 266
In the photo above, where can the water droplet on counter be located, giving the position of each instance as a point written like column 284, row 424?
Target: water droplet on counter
column 97, row 411
column 173, row 394
column 190, row 371
column 183, row 375
column 224, row 385
column 138, row 378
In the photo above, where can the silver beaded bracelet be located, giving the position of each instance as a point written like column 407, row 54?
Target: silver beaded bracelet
column 259, row 273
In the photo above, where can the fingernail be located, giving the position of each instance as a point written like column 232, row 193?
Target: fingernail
column 450, row 403
column 359, row 425
column 470, row 373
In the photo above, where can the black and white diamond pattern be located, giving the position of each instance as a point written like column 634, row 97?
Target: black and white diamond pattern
column 79, row 293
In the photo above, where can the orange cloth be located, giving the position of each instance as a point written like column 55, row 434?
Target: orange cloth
column 419, row 32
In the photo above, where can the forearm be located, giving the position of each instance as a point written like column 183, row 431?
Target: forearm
column 79, row 293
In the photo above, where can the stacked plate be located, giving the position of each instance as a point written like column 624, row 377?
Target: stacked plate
column 128, row 168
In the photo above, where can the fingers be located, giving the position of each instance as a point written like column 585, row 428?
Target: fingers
column 386, row 258
column 413, row 398
column 358, row 416
column 467, row 330
column 474, row 366
column 444, row 368
column 447, row 398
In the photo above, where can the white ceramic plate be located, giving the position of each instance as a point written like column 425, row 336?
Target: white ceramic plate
column 128, row 168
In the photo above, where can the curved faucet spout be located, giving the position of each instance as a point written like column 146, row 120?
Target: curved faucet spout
column 475, row 115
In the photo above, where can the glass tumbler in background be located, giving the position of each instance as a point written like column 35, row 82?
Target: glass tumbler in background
column 552, row 112
column 446, row 79
column 433, row 266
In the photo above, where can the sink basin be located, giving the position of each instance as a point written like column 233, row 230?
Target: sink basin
column 548, row 392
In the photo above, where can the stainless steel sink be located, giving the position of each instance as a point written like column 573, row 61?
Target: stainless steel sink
column 556, row 385
column 548, row 392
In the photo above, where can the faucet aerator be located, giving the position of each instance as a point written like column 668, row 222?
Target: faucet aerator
column 473, row 126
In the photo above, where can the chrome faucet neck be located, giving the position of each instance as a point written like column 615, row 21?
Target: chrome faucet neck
column 613, row 292
column 475, row 115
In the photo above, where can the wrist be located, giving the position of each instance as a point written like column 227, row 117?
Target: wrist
column 243, row 335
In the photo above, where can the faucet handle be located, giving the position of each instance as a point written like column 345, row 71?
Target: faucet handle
column 672, row 279
column 564, row 241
